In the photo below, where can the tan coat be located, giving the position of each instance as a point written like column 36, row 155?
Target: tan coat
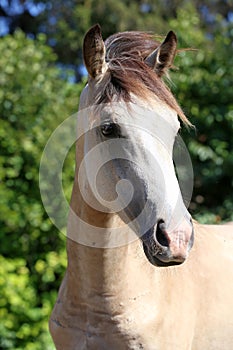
column 117, row 300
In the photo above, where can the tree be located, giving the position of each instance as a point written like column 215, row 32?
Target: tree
column 34, row 99
column 203, row 86
column 65, row 23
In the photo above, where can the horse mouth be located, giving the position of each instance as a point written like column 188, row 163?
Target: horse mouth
column 158, row 259
column 162, row 249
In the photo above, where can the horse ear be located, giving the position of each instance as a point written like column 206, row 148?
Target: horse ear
column 161, row 59
column 94, row 52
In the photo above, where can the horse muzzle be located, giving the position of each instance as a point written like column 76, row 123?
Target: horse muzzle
column 165, row 247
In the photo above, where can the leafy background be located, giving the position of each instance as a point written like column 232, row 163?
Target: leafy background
column 41, row 77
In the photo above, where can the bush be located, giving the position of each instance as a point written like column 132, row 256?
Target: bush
column 34, row 99
column 203, row 86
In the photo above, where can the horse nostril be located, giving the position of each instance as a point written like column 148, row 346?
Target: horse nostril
column 161, row 235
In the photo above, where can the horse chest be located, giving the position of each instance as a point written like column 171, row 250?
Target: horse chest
column 140, row 327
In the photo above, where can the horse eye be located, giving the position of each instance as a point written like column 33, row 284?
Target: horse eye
column 107, row 129
column 110, row 130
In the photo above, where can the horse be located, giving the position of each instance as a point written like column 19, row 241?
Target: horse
column 141, row 273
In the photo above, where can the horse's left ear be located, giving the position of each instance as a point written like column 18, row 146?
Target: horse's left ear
column 94, row 52
column 161, row 59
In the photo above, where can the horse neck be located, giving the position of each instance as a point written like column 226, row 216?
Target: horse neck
column 98, row 270
column 104, row 271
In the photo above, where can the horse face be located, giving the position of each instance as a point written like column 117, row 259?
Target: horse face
column 129, row 169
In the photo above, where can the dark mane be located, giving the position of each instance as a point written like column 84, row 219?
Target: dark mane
column 129, row 74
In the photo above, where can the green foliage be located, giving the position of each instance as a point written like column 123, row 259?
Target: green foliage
column 203, row 85
column 71, row 20
column 33, row 101
column 24, row 318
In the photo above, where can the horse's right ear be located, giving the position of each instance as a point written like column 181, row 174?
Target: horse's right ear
column 94, row 52
column 161, row 59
